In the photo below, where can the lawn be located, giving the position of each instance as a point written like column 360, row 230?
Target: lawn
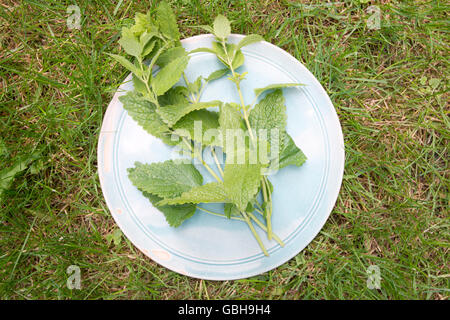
column 388, row 83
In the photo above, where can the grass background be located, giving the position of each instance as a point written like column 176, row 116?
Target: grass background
column 389, row 87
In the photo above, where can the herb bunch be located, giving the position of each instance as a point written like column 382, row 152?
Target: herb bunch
column 172, row 113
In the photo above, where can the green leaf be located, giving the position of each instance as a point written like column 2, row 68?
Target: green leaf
column 170, row 55
column 208, row 50
column 7, row 175
column 258, row 91
column 222, row 28
column 238, row 59
column 175, row 95
column 143, row 23
column 213, row 192
column 217, row 74
column 144, row 113
column 205, row 27
column 156, row 56
column 139, row 85
column 176, row 214
column 291, row 154
column 231, row 210
column 209, row 121
column 145, row 38
column 127, row 64
column 194, row 87
column 241, row 182
column 230, row 123
column 218, row 50
column 270, row 115
column 252, row 38
column 169, row 75
column 115, row 236
column 165, row 179
column 167, row 21
column 171, row 114
column 148, row 48
column 130, row 43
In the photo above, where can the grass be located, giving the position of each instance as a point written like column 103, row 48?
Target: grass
column 388, row 85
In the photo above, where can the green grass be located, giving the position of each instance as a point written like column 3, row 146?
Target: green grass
column 392, row 210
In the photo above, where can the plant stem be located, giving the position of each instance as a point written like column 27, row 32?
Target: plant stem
column 259, row 223
column 207, row 167
column 216, row 161
column 262, row 226
column 199, row 94
column 250, row 225
column 268, row 209
column 250, row 131
column 187, row 82
column 219, row 214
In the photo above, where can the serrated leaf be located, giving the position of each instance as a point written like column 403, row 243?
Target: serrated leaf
column 205, row 27
column 126, row 63
column 148, row 48
column 170, row 55
column 166, row 179
column 252, row 38
column 241, row 182
column 222, row 28
column 259, row 91
column 291, row 154
column 167, row 21
column 176, row 214
column 208, row 50
column 169, row 75
column 171, row 114
column 175, row 95
column 268, row 120
column 217, row 74
column 238, row 59
column 213, row 192
column 218, row 50
column 130, row 43
column 144, row 113
column 143, row 23
column 230, row 124
column 139, row 85
column 145, row 38
column 194, row 87
column 209, row 123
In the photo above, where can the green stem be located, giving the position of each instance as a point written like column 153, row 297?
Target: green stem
column 258, row 239
column 262, row 226
column 216, row 161
column 268, row 209
column 187, row 82
column 145, row 80
column 207, row 167
column 219, row 214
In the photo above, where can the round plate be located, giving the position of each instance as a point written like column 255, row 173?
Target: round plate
column 210, row 247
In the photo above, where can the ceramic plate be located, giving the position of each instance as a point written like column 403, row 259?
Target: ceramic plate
column 210, row 247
